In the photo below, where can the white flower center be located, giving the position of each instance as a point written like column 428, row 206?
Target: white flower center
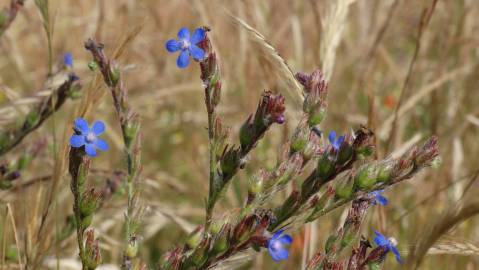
column 90, row 137
column 277, row 245
column 185, row 44
column 393, row 241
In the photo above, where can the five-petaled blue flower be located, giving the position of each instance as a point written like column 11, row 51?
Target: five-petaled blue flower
column 188, row 46
column 68, row 60
column 88, row 137
column 378, row 198
column 335, row 141
column 388, row 244
column 276, row 248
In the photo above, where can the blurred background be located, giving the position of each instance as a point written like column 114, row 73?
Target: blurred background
column 417, row 60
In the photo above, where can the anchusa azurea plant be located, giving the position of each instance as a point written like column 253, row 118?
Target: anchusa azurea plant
column 324, row 173
column 343, row 173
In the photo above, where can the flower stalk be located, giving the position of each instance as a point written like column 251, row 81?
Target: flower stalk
column 85, row 202
column 130, row 127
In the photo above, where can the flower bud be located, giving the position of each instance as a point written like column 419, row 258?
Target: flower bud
column 384, row 174
column 325, row 166
column 244, row 229
column 89, row 202
column 93, row 65
column 92, row 250
column 345, row 153
column 299, row 140
column 365, row 178
column 132, row 247
column 221, row 243
column 316, row 116
column 200, row 254
column 195, row 237
column 114, row 74
column 229, row 160
column 345, row 189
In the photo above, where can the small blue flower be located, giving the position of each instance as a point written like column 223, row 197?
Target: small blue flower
column 88, row 137
column 378, row 198
column 187, row 45
column 388, row 244
column 335, row 141
column 276, row 246
column 68, row 60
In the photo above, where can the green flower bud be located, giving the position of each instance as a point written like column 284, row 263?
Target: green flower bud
column 194, row 238
column 325, row 167
column 132, row 249
column 345, row 190
column 256, row 185
column 365, row 179
column 93, row 65
column 246, row 133
column 86, row 221
column 384, row 175
column 115, row 74
column 316, row 117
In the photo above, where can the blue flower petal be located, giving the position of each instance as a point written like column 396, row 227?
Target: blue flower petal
column 90, row 150
column 196, row 52
column 332, row 136
column 184, row 33
column 396, row 254
column 172, row 45
column 68, row 59
column 340, row 140
column 276, row 234
column 198, row 35
column 286, row 239
column 273, row 255
column 77, row 140
column 98, row 127
column 101, row 144
column 380, row 240
column 183, row 59
column 281, row 254
column 81, row 125
column 381, row 200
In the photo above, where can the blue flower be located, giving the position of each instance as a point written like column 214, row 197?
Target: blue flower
column 88, row 137
column 68, row 60
column 276, row 246
column 335, row 141
column 388, row 244
column 378, row 198
column 187, row 45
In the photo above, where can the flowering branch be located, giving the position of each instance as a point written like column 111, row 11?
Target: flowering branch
column 130, row 127
column 86, row 200
column 225, row 160
column 256, row 227
column 37, row 115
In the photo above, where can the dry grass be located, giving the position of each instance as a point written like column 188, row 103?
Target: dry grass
column 364, row 47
